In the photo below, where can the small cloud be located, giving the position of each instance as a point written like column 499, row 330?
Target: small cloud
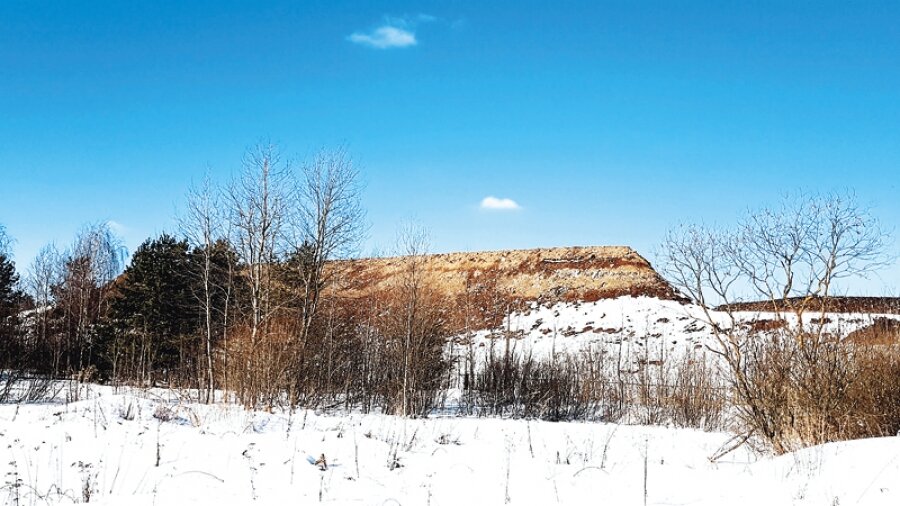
column 385, row 37
column 491, row 203
column 116, row 227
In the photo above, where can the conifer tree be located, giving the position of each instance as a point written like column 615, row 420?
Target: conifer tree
column 10, row 301
column 152, row 309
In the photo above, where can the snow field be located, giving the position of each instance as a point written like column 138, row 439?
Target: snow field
column 105, row 450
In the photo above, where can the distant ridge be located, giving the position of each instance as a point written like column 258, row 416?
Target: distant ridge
column 574, row 273
column 841, row 304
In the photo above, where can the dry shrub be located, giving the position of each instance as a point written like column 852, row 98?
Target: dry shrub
column 411, row 366
column 685, row 391
column 699, row 397
column 555, row 391
column 258, row 371
column 877, row 391
column 369, row 354
column 592, row 385
column 163, row 413
column 797, row 393
column 8, row 381
column 512, row 384
column 882, row 331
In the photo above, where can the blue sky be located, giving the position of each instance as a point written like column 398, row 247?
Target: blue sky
column 606, row 122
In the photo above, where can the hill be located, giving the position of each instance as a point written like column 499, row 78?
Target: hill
column 544, row 275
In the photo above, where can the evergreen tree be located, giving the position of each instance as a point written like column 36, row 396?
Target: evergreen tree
column 10, row 295
column 10, row 300
column 152, row 310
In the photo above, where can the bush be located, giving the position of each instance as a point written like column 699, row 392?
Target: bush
column 593, row 385
column 797, row 392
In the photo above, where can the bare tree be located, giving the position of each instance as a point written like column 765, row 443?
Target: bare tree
column 417, row 324
column 43, row 274
column 412, row 243
column 5, row 242
column 202, row 226
column 88, row 270
column 330, row 225
column 258, row 201
column 792, row 257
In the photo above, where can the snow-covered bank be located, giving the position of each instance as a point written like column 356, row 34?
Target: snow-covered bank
column 643, row 327
column 131, row 449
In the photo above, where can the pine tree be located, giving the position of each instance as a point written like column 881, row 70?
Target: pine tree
column 10, row 295
column 152, row 310
column 10, row 300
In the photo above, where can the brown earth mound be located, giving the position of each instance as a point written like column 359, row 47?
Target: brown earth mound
column 544, row 275
column 869, row 305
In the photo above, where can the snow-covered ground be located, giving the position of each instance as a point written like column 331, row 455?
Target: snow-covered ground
column 136, row 449
column 142, row 447
column 644, row 327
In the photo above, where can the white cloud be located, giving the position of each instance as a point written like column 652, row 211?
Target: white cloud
column 385, row 37
column 117, row 228
column 497, row 204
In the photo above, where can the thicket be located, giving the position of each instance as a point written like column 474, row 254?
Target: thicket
column 801, row 383
column 598, row 385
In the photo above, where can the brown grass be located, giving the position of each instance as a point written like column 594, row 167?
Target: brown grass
column 800, row 394
column 883, row 331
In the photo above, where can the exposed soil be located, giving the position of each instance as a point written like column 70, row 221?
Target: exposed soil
column 869, row 305
column 582, row 274
column 482, row 287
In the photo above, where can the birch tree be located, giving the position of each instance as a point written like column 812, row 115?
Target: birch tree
column 202, row 226
column 43, row 275
column 330, row 225
column 258, row 205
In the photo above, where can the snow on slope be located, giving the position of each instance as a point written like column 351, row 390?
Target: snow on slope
column 106, row 449
column 644, row 327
